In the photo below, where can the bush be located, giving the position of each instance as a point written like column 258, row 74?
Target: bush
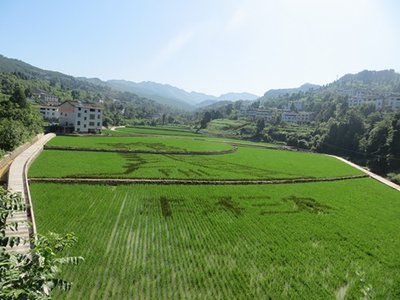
column 395, row 177
column 12, row 134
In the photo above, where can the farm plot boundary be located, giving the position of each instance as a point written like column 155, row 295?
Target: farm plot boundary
column 191, row 181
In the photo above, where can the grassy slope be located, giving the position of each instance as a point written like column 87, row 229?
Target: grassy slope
column 218, row 242
column 142, row 143
column 246, row 163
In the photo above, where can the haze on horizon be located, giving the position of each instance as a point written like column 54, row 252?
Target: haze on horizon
column 206, row 46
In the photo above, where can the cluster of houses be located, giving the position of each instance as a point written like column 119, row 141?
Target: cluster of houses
column 380, row 102
column 286, row 116
column 73, row 116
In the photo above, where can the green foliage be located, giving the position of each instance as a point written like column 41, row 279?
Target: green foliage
column 19, row 97
column 300, row 241
column 18, row 122
column 32, row 275
column 12, row 134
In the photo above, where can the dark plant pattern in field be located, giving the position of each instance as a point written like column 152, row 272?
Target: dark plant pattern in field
column 308, row 204
column 165, row 207
column 229, row 205
column 134, row 162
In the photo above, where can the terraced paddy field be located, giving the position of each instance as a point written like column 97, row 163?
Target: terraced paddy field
column 159, row 130
column 295, row 241
column 138, row 143
column 179, row 133
column 245, row 163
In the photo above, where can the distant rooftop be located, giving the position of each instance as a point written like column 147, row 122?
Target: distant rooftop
column 78, row 103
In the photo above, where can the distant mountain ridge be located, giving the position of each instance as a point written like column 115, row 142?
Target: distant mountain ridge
column 174, row 95
column 273, row 93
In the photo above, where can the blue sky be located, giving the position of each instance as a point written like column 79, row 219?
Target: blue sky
column 207, row 46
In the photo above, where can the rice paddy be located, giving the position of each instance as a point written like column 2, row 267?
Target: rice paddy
column 321, row 240
column 309, row 241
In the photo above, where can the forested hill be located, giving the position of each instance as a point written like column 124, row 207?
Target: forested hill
column 119, row 105
column 375, row 81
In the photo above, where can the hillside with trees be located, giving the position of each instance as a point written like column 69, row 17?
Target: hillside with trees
column 364, row 134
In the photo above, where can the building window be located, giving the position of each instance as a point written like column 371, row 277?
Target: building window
column 78, row 123
column 85, row 111
column 79, row 115
column 84, row 125
column 92, row 116
column 98, row 123
column 98, row 116
column 65, row 115
column 84, row 118
column 91, row 123
column 92, row 110
column 79, row 108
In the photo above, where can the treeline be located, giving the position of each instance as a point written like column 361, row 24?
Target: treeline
column 19, row 121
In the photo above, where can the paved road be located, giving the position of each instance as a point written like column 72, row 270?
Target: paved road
column 17, row 183
column 369, row 173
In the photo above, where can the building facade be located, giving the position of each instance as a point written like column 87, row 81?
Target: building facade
column 49, row 112
column 76, row 116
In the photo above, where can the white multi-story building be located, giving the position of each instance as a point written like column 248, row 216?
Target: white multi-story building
column 256, row 114
column 296, row 118
column 394, row 102
column 49, row 112
column 76, row 116
column 356, row 101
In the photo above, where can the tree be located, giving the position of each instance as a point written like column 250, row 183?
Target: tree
column 205, row 120
column 32, row 275
column 19, row 97
column 260, row 127
column 12, row 134
column 75, row 94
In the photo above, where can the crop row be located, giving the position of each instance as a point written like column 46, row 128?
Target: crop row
column 286, row 241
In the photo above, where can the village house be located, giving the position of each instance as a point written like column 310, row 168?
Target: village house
column 392, row 102
column 48, row 98
column 256, row 114
column 76, row 116
column 296, row 118
column 49, row 112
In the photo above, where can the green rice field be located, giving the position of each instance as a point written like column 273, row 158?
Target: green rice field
column 138, row 143
column 159, row 130
column 246, row 163
column 293, row 241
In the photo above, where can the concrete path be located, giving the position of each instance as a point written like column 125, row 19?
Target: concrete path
column 372, row 175
column 18, row 183
column 115, row 127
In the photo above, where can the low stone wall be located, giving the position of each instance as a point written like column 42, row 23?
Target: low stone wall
column 177, row 152
column 191, row 181
column 6, row 161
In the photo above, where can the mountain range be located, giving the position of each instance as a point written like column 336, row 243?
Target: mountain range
column 174, row 96
column 162, row 93
column 168, row 95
